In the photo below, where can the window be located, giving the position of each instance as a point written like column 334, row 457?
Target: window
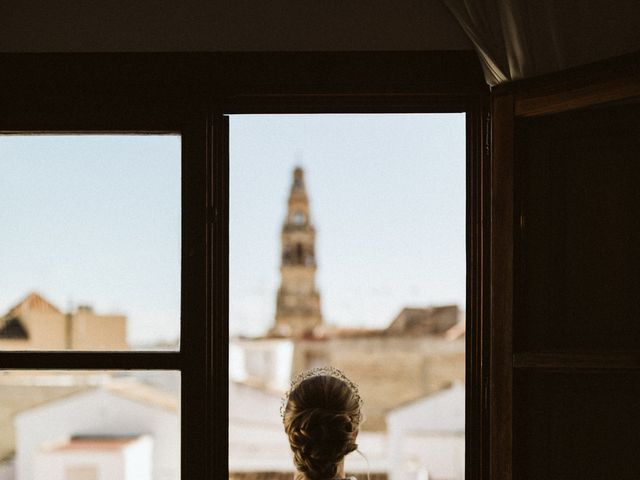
column 124, row 420
column 385, row 203
column 298, row 218
column 187, row 95
column 107, row 216
column 92, row 241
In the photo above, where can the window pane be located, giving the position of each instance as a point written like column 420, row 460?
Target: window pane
column 347, row 248
column 91, row 242
column 60, row 425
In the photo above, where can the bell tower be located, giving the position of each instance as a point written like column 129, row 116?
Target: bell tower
column 298, row 301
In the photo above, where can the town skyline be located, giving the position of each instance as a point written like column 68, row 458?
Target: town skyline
column 387, row 198
column 377, row 183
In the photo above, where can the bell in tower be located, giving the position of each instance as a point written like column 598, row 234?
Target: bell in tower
column 298, row 301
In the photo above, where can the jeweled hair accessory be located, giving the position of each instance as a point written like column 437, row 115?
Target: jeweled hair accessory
column 319, row 372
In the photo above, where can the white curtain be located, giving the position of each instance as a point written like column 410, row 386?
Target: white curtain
column 523, row 38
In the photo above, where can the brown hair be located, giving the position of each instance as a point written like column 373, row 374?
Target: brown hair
column 321, row 419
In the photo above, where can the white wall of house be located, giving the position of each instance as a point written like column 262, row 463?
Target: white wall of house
column 132, row 461
column 257, row 441
column 266, row 362
column 82, row 465
column 434, row 456
column 98, row 412
column 426, row 437
column 139, row 460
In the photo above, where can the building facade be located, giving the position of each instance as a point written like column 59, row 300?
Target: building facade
column 426, row 437
column 116, row 410
column 96, row 458
column 36, row 324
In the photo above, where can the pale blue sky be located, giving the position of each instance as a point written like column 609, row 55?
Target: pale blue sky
column 387, row 197
column 95, row 219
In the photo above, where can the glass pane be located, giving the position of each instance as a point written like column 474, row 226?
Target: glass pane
column 347, row 248
column 91, row 238
column 81, row 425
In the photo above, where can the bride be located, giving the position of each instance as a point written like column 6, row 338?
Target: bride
column 321, row 415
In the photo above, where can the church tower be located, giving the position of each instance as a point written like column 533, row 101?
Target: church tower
column 298, row 302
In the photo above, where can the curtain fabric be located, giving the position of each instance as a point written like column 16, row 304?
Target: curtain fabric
column 522, row 38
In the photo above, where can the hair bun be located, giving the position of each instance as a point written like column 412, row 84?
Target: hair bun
column 321, row 418
column 320, row 439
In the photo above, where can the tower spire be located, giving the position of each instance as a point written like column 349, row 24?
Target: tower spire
column 298, row 301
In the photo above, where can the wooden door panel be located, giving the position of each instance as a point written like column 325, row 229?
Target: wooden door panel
column 578, row 256
column 570, row 425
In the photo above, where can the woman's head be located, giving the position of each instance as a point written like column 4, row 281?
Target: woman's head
column 321, row 418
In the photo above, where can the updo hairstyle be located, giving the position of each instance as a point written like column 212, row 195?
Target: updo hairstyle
column 321, row 419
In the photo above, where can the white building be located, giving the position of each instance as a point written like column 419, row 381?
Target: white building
column 426, row 437
column 96, row 458
column 118, row 409
column 257, row 441
column 265, row 363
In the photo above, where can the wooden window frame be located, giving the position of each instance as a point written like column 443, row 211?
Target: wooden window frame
column 190, row 94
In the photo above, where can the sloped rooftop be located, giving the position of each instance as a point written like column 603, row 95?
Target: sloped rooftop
column 424, row 321
column 33, row 302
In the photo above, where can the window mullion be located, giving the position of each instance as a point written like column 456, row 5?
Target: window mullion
column 74, row 360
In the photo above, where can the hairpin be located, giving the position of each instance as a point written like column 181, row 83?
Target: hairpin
column 318, row 372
